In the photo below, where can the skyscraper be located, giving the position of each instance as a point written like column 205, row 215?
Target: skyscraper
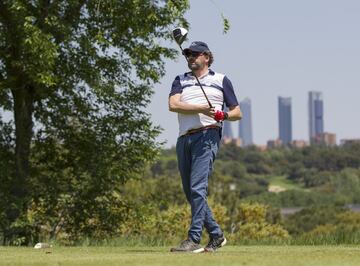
column 316, row 114
column 245, row 124
column 285, row 123
column 227, row 131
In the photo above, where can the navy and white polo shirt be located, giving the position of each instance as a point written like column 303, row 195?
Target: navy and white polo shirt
column 218, row 89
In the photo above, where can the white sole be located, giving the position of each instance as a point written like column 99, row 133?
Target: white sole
column 200, row 250
column 221, row 245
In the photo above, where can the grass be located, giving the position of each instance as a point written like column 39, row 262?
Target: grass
column 229, row 255
column 281, row 181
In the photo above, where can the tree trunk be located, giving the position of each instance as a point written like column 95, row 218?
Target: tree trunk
column 23, row 110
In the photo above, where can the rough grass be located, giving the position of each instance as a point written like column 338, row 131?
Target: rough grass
column 229, row 255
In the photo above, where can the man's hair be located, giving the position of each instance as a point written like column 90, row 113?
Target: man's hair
column 211, row 57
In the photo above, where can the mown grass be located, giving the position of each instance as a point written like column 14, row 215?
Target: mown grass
column 229, row 255
column 281, row 181
column 332, row 238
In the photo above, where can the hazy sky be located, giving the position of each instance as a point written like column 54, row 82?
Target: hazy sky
column 277, row 48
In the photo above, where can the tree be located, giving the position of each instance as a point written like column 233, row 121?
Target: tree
column 77, row 76
column 7, row 168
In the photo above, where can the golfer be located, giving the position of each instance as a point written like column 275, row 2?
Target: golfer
column 199, row 137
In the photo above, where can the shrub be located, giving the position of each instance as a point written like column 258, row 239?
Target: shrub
column 165, row 226
column 251, row 223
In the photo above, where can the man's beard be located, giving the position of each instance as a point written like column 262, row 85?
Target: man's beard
column 195, row 66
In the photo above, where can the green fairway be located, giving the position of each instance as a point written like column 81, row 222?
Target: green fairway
column 281, row 183
column 230, row 255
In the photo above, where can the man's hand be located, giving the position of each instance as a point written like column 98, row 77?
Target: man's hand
column 218, row 115
column 209, row 111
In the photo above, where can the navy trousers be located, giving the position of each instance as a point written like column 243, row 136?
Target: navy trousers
column 196, row 154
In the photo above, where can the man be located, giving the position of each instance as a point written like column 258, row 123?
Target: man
column 199, row 138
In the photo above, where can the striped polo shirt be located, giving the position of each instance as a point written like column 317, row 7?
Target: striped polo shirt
column 218, row 89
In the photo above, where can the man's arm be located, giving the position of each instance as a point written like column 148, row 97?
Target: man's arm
column 176, row 105
column 234, row 113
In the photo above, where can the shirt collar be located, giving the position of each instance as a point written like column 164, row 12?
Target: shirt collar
column 212, row 73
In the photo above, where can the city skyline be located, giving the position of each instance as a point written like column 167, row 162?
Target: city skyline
column 317, row 133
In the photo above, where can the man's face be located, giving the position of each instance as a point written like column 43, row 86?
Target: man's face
column 197, row 61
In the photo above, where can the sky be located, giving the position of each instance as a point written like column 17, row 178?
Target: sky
column 276, row 48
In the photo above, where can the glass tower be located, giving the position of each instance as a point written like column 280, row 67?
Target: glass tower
column 245, row 124
column 316, row 114
column 227, row 131
column 285, row 123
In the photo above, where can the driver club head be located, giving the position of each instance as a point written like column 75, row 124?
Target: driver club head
column 179, row 35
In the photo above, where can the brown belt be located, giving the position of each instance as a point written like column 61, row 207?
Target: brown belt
column 196, row 130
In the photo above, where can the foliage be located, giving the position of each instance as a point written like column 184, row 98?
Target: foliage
column 226, row 24
column 250, row 223
column 238, row 180
column 168, row 226
column 7, row 170
column 77, row 76
column 325, row 225
column 162, row 191
column 298, row 198
column 248, row 172
column 309, row 218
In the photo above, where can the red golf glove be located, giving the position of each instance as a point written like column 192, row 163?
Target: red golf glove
column 221, row 116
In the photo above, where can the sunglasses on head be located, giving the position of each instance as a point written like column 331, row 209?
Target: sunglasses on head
column 192, row 53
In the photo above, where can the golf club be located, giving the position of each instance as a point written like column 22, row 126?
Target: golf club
column 179, row 35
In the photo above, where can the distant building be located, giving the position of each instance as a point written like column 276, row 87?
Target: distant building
column 261, row 147
column 227, row 134
column 299, row 143
column 274, row 143
column 245, row 124
column 236, row 142
column 316, row 115
column 347, row 142
column 285, row 123
column 326, row 139
column 227, row 131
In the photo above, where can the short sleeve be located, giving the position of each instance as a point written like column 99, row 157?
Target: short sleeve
column 229, row 94
column 176, row 87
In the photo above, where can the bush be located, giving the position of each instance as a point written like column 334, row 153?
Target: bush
column 338, row 233
column 309, row 218
column 167, row 226
column 325, row 225
column 251, row 223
